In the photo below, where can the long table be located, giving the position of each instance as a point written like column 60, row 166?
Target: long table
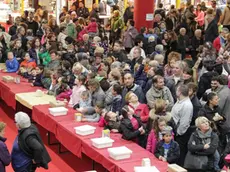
column 63, row 129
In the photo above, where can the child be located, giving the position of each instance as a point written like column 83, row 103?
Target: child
column 99, row 110
column 65, row 92
column 77, row 90
column 155, row 134
column 36, row 78
column 92, row 28
column 54, row 86
column 167, row 149
column 17, row 50
column 12, row 64
column 85, row 101
column 28, row 62
column 44, row 55
column 117, row 99
column 110, row 121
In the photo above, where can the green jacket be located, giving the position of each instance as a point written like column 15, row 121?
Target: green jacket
column 117, row 23
column 71, row 30
column 45, row 57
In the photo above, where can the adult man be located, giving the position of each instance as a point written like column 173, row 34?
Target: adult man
column 82, row 11
column 211, row 33
column 94, row 13
column 118, row 53
column 54, row 64
column 223, row 93
column 217, row 11
column 128, row 14
column 129, row 85
column 182, row 113
column 13, row 29
column 137, row 58
column 33, row 25
column 160, row 10
column 159, row 91
column 138, row 44
column 176, row 79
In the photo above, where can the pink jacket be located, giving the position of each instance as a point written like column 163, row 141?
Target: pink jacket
column 75, row 96
column 92, row 27
column 142, row 111
column 102, row 122
column 200, row 18
column 64, row 95
column 152, row 142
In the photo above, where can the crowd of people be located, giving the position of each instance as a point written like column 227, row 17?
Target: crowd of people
column 165, row 88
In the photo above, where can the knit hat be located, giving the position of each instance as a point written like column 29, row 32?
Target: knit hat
column 159, row 48
column 167, row 130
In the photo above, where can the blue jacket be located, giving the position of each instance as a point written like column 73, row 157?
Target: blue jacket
column 4, row 155
column 12, row 65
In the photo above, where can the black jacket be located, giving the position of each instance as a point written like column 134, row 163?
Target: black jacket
column 13, row 30
column 173, row 153
column 33, row 25
column 196, row 108
column 30, row 142
column 128, row 132
column 211, row 32
column 196, row 146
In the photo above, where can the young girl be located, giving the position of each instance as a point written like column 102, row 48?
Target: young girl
column 65, row 92
column 77, row 90
column 167, row 149
column 85, row 101
column 54, row 86
column 28, row 62
column 155, row 134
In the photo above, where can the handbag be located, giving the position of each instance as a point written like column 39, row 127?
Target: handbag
column 195, row 162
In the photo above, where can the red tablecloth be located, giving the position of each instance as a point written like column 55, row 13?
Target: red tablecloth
column 8, row 90
column 63, row 128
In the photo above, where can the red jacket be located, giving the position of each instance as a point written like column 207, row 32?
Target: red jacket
column 28, row 64
column 92, row 27
column 142, row 111
column 216, row 44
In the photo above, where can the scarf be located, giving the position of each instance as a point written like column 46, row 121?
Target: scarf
column 206, row 137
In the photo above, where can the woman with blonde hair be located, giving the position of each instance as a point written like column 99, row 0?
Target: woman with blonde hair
column 173, row 57
column 159, row 110
column 4, row 155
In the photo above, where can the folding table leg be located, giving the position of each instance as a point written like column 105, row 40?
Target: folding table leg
column 49, row 140
column 59, row 149
column 93, row 164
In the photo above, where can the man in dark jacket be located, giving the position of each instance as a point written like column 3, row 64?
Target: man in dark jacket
column 82, row 11
column 28, row 151
column 128, row 14
column 211, row 33
column 33, row 25
column 13, row 29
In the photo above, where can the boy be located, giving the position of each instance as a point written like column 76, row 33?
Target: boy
column 117, row 99
column 12, row 64
column 99, row 109
column 167, row 149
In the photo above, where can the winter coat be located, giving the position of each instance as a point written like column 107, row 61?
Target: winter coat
column 18, row 54
column 211, row 33
column 28, row 64
column 5, row 157
column 196, row 146
column 92, row 27
column 151, row 142
column 128, row 132
column 173, row 153
column 140, row 77
column 12, row 65
column 75, row 96
column 116, row 104
column 98, row 96
column 142, row 111
column 129, row 37
column 45, row 57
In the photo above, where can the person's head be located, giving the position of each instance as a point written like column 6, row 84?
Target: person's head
column 172, row 36
column 67, row 18
column 159, row 58
column 198, row 33
column 160, row 5
column 26, row 56
column 178, row 68
column 160, row 106
column 203, row 124
column 212, row 99
column 224, row 32
column 139, row 42
column 192, row 89
column 131, row 23
column 98, row 58
column 64, row 9
column 53, row 55
column 165, row 36
column 209, row 17
column 215, row 83
column 80, row 80
column 21, row 30
column 2, row 129
column 18, row 43
column 39, row 69
column 93, row 85
column 17, row 20
column 137, row 53
column 128, row 79
column 198, row 7
column 117, row 46
column 127, row 111
column 182, row 91
column 63, row 29
column 158, row 125
column 158, row 82
column 77, row 68
column 167, row 134
column 85, row 37
column 85, row 95
column 143, row 30
column 81, row 4
column 22, row 120
column 116, row 89
column 99, row 107
column 183, row 31
column 114, row 75
column 213, row 4
column 10, row 55
column 131, row 97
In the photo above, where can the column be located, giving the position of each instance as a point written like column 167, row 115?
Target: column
column 143, row 13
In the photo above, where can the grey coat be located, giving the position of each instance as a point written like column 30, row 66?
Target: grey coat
column 129, row 37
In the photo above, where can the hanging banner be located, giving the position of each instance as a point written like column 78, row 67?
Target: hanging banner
column 22, row 6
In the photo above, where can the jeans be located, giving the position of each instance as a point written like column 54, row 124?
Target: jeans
column 216, row 160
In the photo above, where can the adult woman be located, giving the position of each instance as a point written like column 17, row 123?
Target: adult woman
column 159, row 111
column 35, row 50
column 200, row 16
column 53, row 26
column 131, row 127
column 173, row 57
column 4, row 155
column 44, row 37
column 225, row 19
column 28, row 151
column 202, row 146
column 172, row 45
column 141, row 110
